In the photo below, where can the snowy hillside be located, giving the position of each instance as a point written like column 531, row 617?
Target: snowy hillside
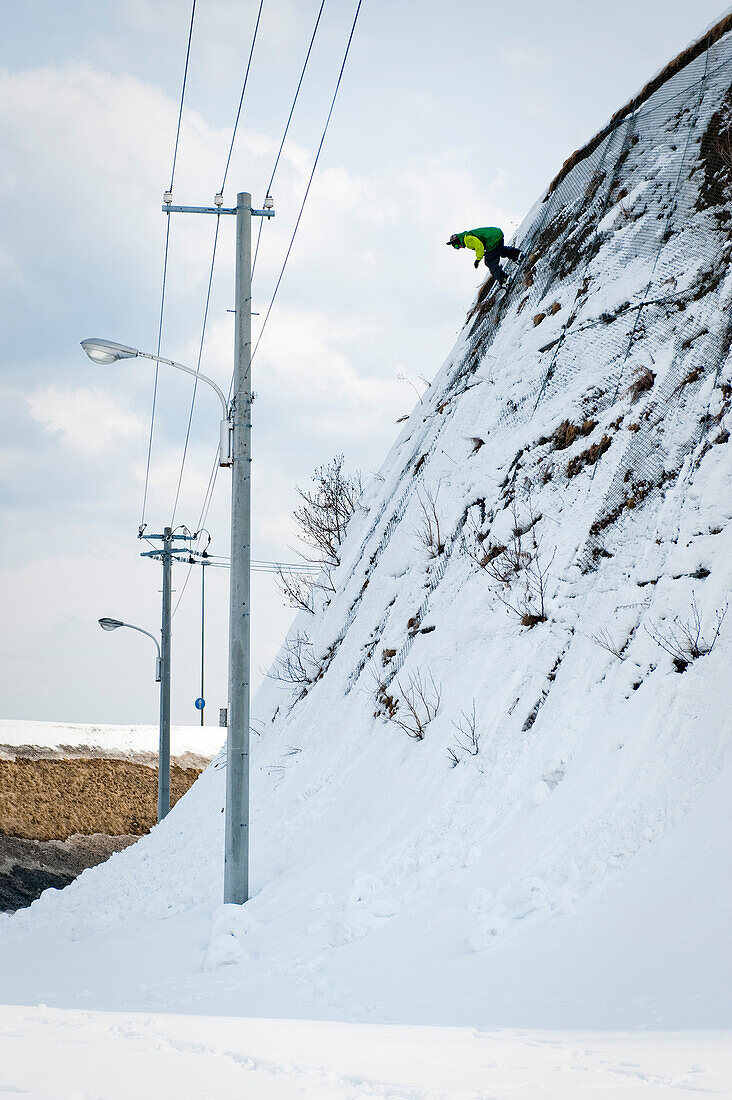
column 541, row 569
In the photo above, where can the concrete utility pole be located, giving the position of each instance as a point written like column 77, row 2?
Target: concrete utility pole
column 236, row 845
column 164, row 747
column 236, row 857
column 167, row 555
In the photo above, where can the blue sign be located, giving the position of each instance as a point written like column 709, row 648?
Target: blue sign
column 200, row 704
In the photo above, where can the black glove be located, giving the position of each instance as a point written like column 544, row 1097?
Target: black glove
column 476, row 264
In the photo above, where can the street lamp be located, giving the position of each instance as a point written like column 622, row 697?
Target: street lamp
column 107, row 351
column 164, row 738
column 115, row 624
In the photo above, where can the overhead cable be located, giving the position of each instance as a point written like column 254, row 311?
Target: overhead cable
column 241, row 98
column 287, row 127
column 165, row 271
column 312, row 174
column 215, row 468
column 211, row 269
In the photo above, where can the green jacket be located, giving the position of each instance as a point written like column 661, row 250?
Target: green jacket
column 480, row 240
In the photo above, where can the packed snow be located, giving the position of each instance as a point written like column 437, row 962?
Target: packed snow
column 118, row 1055
column 550, row 529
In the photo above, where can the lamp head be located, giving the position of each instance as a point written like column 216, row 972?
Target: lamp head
column 110, row 624
column 106, row 351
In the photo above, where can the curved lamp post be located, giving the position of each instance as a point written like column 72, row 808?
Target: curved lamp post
column 106, row 351
column 163, row 756
column 115, row 624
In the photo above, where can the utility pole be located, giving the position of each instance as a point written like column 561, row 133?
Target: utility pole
column 236, row 844
column 236, row 856
column 164, row 746
column 167, row 554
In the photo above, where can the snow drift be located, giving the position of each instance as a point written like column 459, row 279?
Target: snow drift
column 491, row 773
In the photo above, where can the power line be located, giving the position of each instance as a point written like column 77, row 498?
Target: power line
column 198, row 368
column 241, row 98
column 215, row 468
column 211, row 269
column 165, row 271
column 287, row 127
column 312, row 174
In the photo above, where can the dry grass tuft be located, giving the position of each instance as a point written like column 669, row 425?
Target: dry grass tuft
column 588, row 457
column 538, row 318
column 643, row 381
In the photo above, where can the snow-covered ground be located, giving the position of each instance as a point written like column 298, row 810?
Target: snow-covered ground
column 571, row 871
column 204, row 741
column 95, row 1055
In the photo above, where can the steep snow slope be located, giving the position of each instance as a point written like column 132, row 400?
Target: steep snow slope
column 573, row 871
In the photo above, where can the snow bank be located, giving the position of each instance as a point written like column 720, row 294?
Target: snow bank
column 203, row 741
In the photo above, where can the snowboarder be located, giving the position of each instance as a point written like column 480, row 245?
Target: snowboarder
column 487, row 243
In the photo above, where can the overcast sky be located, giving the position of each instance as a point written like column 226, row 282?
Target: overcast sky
column 449, row 115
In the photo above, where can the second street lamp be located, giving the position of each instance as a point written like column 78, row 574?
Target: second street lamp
column 162, row 677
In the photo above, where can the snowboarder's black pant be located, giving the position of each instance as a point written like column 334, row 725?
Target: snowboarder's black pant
column 493, row 260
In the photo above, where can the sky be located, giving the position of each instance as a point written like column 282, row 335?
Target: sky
column 448, row 116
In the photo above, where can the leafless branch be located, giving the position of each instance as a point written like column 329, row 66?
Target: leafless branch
column 428, row 531
column 413, row 708
column 467, row 736
column 605, row 640
column 683, row 639
column 296, row 664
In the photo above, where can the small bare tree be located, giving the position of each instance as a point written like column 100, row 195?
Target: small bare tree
column 428, row 532
column 413, row 708
column 520, row 560
column 605, row 640
column 321, row 518
column 467, row 737
column 296, row 664
column 418, row 705
column 683, row 639
column 297, row 588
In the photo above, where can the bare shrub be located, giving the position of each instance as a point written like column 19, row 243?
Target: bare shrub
column 477, row 443
column 467, row 737
column 642, row 382
column 321, row 518
column 414, row 708
column 605, row 640
column 683, row 639
column 522, row 561
column 296, row 664
column 419, row 703
column 428, row 532
column 325, row 512
column 297, row 588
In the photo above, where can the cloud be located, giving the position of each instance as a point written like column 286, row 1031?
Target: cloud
column 88, row 421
